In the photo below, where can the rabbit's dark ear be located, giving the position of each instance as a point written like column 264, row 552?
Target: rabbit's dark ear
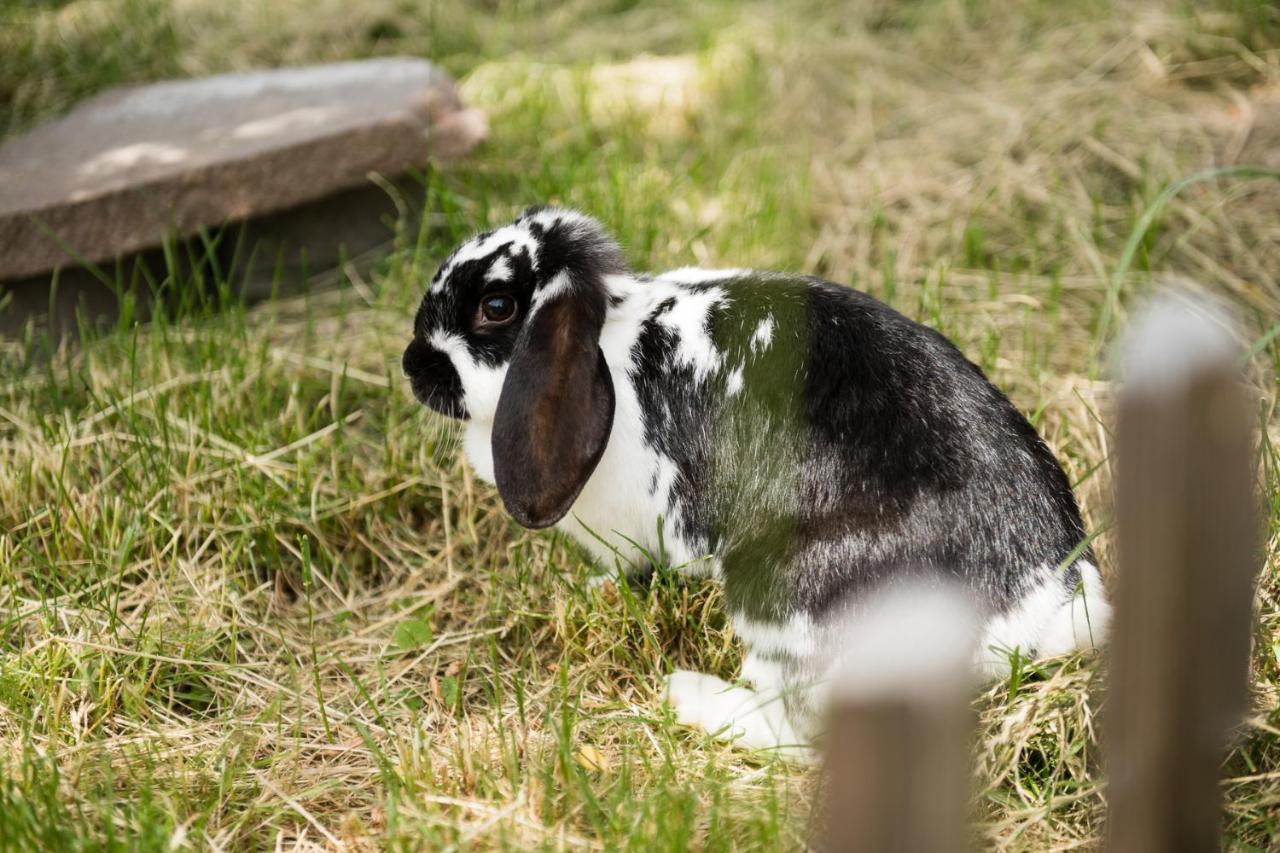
column 556, row 408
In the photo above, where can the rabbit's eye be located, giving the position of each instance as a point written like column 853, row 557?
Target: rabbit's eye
column 498, row 308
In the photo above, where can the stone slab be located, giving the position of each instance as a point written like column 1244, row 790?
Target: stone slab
column 277, row 254
column 131, row 167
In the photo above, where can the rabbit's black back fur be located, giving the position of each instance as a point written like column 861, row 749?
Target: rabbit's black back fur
column 907, row 455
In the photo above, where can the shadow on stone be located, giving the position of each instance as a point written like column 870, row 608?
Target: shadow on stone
column 274, row 255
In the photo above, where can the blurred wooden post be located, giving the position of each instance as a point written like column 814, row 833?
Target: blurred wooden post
column 897, row 772
column 897, row 778
column 1188, row 554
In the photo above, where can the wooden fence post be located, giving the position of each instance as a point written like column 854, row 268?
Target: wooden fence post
column 1188, row 554
column 897, row 771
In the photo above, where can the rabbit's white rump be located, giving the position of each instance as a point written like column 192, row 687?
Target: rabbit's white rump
column 798, row 440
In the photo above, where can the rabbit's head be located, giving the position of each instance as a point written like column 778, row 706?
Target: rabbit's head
column 508, row 333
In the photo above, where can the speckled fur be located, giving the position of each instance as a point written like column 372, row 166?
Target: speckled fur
column 797, row 439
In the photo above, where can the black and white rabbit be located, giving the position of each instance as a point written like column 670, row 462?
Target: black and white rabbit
column 796, row 439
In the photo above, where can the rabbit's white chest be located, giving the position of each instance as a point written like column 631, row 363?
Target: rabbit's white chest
column 625, row 511
column 477, row 442
column 617, row 505
column 623, row 514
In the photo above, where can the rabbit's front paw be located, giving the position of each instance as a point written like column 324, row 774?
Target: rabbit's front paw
column 700, row 700
column 754, row 719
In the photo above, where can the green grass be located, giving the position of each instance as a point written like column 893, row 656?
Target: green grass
column 249, row 592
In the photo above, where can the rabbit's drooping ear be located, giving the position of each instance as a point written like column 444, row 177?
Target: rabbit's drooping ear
column 556, row 408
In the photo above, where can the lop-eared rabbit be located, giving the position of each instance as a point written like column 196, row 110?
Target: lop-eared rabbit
column 798, row 440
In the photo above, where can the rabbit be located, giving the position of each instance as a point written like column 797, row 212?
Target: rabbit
column 798, row 440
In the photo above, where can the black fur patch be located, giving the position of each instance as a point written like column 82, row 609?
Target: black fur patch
column 435, row 382
column 862, row 445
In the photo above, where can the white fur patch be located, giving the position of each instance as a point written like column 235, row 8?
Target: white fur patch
column 1083, row 621
column 1049, row 620
column 761, row 673
column 481, row 384
column 752, row 718
column 550, row 217
column 697, row 275
column 763, row 335
column 733, row 383
column 499, row 270
column 688, row 319
column 448, row 343
column 477, row 442
column 558, row 284
column 797, row 636
column 678, row 552
column 664, row 476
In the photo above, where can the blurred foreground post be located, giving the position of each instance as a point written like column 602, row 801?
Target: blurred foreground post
column 898, row 737
column 1188, row 553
